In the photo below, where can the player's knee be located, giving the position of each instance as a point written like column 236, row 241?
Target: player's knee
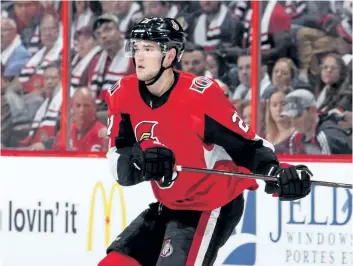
column 118, row 259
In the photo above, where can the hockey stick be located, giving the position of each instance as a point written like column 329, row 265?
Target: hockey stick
column 181, row 168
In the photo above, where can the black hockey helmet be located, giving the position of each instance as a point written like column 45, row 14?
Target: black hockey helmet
column 167, row 32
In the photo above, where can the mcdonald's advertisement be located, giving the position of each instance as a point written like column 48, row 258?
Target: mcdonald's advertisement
column 67, row 211
column 65, row 216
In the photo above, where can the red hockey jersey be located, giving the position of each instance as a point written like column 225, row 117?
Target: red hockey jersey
column 198, row 123
column 93, row 140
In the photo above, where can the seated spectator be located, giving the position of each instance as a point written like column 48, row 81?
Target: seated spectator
column 87, row 133
column 333, row 80
column 244, row 108
column 125, row 10
column 285, row 78
column 278, row 129
column 46, row 120
column 50, row 5
column 87, row 49
column 317, row 133
column 14, row 55
column 83, row 16
column 342, row 114
column 283, row 74
column 216, row 26
column 27, row 15
column 6, row 124
column 218, row 68
column 19, row 118
column 39, row 87
column 189, row 11
column 51, row 52
column 112, row 64
column 331, row 33
column 243, row 71
column 242, row 91
column 43, row 7
column 194, row 61
column 107, row 6
column 347, row 21
column 276, row 39
column 303, row 13
column 339, row 26
column 159, row 9
column 312, row 45
column 213, row 64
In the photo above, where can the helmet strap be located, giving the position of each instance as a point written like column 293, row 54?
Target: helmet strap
column 159, row 74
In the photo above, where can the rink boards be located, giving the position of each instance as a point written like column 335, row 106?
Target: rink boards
column 65, row 211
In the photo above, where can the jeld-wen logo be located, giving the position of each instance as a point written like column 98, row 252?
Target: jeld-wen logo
column 244, row 236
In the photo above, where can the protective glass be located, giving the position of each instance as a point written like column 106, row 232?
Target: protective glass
column 136, row 48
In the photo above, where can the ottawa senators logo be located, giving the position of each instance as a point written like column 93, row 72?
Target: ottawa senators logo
column 145, row 130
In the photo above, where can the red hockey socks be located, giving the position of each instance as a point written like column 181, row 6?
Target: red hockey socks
column 117, row 259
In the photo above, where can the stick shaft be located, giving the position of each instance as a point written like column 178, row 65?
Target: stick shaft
column 181, row 168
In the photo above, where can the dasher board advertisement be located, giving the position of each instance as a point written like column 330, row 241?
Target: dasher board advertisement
column 66, row 211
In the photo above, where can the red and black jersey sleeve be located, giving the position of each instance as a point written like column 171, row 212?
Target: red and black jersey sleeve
column 121, row 139
column 223, row 126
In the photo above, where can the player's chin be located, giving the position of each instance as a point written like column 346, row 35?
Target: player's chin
column 144, row 77
column 141, row 76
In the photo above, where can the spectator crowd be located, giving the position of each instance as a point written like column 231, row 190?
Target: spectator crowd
column 305, row 92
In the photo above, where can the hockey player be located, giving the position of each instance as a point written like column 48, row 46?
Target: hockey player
column 159, row 118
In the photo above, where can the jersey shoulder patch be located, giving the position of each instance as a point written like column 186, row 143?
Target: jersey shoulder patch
column 114, row 88
column 127, row 81
column 201, row 84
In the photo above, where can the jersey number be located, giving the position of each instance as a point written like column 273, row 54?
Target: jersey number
column 110, row 125
column 242, row 125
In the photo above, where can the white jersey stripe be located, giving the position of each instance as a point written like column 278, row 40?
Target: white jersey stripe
column 202, row 237
column 206, row 239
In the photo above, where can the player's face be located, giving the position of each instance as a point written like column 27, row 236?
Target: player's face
column 148, row 57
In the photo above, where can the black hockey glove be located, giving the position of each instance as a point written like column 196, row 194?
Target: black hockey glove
column 289, row 185
column 155, row 162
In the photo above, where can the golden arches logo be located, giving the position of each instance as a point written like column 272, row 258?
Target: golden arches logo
column 107, row 205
